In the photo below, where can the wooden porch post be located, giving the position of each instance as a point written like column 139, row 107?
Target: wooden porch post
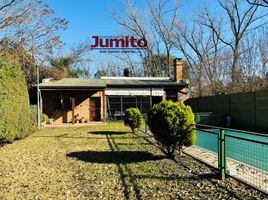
column 151, row 101
column 73, row 106
column 121, row 107
column 89, row 109
column 41, row 103
column 104, row 106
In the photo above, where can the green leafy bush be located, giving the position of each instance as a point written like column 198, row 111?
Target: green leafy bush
column 133, row 118
column 172, row 125
column 44, row 118
column 33, row 116
column 14, row 101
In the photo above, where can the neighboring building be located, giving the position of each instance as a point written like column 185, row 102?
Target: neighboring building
column 73, row 100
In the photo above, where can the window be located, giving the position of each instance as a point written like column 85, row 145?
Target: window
column 62, row 104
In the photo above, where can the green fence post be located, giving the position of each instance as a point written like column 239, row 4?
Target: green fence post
column 222, row 155
column 197, row 118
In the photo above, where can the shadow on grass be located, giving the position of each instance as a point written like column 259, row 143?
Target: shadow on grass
column 3, row 143
column 178, row 177
column 108, row 132
column 115, row 157
column 68, row 136
column 81, row 137
column 131, row 144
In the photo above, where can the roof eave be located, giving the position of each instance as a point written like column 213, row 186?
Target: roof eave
column 71, row 87
column 147, row 86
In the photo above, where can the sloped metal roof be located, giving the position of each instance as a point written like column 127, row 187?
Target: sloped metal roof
column 66, row 83
column 142, row 83
column 75, row 83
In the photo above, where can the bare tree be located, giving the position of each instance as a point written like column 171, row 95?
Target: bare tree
column 200, row 47
column 263, row 3
column 239, row 18
column 82, row 59
column 163, row 20
column 219, row 62
column 131, row 22
column 158, row 31
column 254, row 59
column 31, row 24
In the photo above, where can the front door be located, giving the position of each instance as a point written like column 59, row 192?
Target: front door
column 94, row 109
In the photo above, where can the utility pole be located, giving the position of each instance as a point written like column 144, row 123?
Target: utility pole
column 37, row 80
column 38, row 98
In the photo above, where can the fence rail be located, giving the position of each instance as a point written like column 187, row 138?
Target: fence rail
column 231, row 129
column 247, row 111
column 240, row 154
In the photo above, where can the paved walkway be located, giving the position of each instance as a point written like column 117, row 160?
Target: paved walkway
column 55, row 125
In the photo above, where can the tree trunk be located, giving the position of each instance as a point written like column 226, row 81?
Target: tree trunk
column 171, row 151
column 234, row 65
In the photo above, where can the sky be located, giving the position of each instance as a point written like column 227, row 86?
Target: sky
column 93, row 17
column 85, row 18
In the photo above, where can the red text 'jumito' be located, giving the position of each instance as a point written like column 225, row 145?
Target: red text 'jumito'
column 118, row 42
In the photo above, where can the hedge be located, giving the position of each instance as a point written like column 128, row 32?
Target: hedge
column 14, row 101
column 33, row 116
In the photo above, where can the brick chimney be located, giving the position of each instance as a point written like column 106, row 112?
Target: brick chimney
column 178, row 69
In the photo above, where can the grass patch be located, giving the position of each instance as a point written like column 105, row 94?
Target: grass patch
column 105, row 162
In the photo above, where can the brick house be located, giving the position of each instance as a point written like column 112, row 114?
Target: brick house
column 73, row 100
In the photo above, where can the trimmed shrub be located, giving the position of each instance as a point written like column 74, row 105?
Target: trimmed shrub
column 133, row 118
column 44, row 118
column 14, row 101
column 172, row 125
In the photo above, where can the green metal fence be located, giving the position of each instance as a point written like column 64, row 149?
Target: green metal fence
column 240, row 154
column 248, row 111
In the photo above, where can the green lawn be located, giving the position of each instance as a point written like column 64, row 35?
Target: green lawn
column 105, row 162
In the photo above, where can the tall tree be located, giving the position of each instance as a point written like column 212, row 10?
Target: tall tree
column 30, row 23
column 263, row 3
column 239, row 18
column 254, row 59
column 75, row 63
column 64, row 64
column 28, row 63
column 200, row 45
column 163, row 20
column 158, row 31
column 164, row 63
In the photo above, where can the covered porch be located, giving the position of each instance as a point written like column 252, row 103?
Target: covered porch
column 73, row 102
column 74, row 106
